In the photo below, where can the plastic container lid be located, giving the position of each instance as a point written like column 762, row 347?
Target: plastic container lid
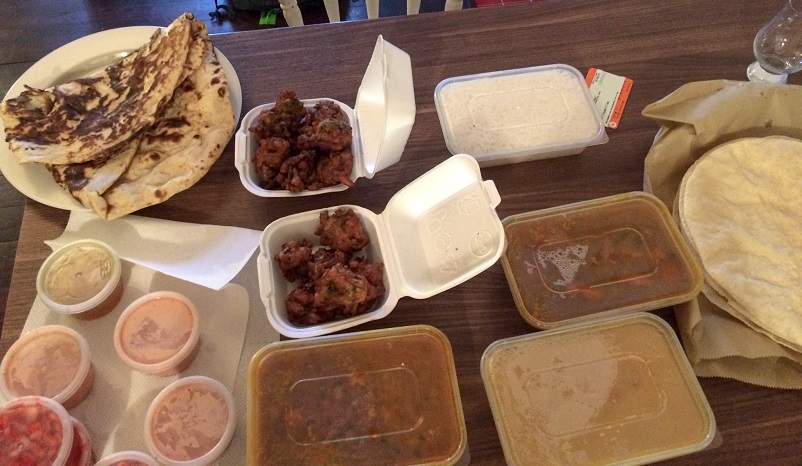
column 435, row 233
column 53, row 361
column 80, row 277
column 37, row 430
column 190, row 422
column 158, row 333
column 518, row 115
column 81, row 453
column 381, row 122
column 127, row 458
column 374, row 397
column 619, row 391
column 597, row 258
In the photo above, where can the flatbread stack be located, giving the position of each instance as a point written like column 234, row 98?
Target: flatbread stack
column 135, row 134
column 740, row 208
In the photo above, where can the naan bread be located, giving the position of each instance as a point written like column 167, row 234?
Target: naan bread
column 180, row 148
column 740, row 206
column 81, row 120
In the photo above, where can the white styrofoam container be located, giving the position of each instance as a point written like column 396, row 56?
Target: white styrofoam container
column 380, row 122
column 518, row 115
column 435, row 233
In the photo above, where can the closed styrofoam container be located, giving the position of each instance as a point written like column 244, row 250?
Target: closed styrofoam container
column 518, row 115
column 435, row 233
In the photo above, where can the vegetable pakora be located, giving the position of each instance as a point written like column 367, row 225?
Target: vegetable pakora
column 303, row 149
column 335, row 282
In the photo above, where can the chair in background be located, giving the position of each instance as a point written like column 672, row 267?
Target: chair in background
column 294, row 17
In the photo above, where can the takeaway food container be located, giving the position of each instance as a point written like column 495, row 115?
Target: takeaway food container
column 618, row 391
column 374, row 397
column 435, row 233
column 597, row 258
column 518, row 115
column 380, row 122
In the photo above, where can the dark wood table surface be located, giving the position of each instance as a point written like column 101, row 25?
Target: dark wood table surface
column 659, row 44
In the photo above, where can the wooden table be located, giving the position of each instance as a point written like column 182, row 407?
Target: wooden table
column 660, row 45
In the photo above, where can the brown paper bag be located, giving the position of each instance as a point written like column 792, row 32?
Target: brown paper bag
column 694, row 119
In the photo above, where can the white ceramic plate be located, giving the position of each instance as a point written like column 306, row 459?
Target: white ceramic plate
column 81, row 57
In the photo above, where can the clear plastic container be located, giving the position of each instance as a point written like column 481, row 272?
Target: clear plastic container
column 518, row 115
column 593, row 259
column 52, row 361
column 434, row 234
column 380, row 122
column 81, row 453
column 618, row 391
column 81, row 279
column 35, row 430
column 377, row 397
column 127, row 458
column 190, row 422
column 159, row 333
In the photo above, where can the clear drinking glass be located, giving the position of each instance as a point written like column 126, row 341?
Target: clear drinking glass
column 778, row 46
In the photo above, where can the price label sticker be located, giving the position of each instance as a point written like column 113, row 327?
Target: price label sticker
column 610, row 94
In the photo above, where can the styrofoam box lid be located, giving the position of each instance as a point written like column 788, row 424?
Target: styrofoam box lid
column 404, row 374
column 380, row 123
column 435, row 233
column 542, row 111
column 618, row 391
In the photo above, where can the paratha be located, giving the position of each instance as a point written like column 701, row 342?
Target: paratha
column 739, row 207
column 81, row 120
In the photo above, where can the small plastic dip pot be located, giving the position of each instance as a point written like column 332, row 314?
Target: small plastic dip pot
column 127, row 458
column 81, row 279
column 35, row 430
column 190, row 422
column 52, row 361
column 81, row 453
column 158, row 333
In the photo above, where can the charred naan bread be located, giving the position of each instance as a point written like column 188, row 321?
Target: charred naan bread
column 81, row 120
column 169, row 157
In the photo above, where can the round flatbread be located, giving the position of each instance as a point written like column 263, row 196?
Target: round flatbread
column 740, row 207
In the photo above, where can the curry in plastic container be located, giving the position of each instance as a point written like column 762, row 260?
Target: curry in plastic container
column 368, row 398
column 612, row 255
column 618, row 391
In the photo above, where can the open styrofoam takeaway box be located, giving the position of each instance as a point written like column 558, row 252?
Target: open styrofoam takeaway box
column 435, row 233
column 380, row 122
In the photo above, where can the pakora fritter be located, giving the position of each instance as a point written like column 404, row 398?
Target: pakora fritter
column 334, row 281
column 303, row 149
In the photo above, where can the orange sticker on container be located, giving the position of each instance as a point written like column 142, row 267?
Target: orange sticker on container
column 610, row 94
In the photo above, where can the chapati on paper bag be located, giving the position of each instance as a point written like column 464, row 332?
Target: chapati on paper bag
column 739, row 207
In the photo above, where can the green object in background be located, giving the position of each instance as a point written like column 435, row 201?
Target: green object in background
column 268, row 18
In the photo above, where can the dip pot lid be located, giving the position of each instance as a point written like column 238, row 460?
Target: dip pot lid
column 435, row 233
column 30, row 354
column 110, row 270
column 614, row 391
column 381, row 122
column 28, row 410
column 196, row 416
column 371, row 397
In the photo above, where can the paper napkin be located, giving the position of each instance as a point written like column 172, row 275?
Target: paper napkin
column 208, row 255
